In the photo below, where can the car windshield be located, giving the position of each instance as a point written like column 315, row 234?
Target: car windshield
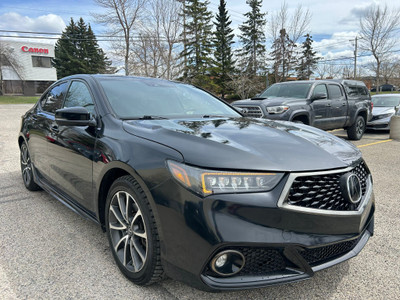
column 287, row 90
column 386, row 101
column 148, row 98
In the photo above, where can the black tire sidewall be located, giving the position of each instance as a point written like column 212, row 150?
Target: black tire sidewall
column 146, row 273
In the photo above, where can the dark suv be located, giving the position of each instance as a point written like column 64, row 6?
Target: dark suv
column 326, row 104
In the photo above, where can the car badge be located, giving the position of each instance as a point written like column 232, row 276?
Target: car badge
column 351, row 188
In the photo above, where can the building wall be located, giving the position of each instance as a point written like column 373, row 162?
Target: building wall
column 23, row 52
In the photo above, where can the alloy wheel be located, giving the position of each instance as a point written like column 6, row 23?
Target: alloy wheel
column 128, row 231
column 360, row 127
column 26, row 165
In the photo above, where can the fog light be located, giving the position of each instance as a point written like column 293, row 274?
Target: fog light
column 219, row 263
column 227, row 263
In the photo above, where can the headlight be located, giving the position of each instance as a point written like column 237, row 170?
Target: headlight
column 207, row 182
column 384, row 116
column 277, row 109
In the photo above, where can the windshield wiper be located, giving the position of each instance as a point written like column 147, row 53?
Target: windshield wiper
column 213, row 116
column 259, row 98
column 149, row 117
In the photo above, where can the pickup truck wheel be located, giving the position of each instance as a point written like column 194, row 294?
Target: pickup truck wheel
column 356, row 131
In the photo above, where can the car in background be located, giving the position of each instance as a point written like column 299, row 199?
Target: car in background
column 385, row 106
column 186, row 186
column 325, row 104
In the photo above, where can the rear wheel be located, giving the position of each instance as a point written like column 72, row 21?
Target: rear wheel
column 356, row 131
column 132, row 232
column 26, row 169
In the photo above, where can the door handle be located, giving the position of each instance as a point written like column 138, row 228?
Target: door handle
column 343, row 103
column 328, row 104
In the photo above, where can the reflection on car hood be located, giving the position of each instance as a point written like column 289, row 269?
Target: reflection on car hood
column 248, row 144
column 382, row 110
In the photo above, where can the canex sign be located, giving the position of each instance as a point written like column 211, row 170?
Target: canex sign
column 35, row 50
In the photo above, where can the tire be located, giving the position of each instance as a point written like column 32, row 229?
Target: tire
column 356, row 131
column 26, row 169
column 132, row 232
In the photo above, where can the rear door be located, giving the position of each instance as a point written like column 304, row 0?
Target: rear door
column 42, row 134
column 71, row 158
column 321, row 107
column 338, row 106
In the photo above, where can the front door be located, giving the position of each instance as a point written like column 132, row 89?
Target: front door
column 71, row 158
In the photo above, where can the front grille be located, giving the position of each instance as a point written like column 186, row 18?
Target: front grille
column 315, row 256
column 252, row 111
column 324, row 192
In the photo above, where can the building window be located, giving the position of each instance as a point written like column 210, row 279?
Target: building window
column 41, row 62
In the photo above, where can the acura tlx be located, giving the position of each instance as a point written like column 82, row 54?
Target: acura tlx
column 185, row 186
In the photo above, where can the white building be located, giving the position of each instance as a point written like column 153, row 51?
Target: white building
column 34, row 72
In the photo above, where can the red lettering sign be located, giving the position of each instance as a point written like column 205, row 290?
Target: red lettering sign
column 35, row 50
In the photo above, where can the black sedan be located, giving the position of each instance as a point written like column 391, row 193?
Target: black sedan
column 385, row 106
column 187, row 187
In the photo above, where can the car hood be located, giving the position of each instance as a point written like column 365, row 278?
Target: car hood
column 248, row 144
column 267, row 102
column 382, row 110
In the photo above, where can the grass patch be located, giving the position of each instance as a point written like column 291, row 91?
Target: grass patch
column 18, row 99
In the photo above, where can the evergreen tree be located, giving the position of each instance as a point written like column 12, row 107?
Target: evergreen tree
column 308, row 59
column 77, row 52
column 283, row 56
column 252, row 37
column 198, row 44
column 223, row 39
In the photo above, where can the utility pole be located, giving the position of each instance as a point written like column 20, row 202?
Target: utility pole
column 355, row 58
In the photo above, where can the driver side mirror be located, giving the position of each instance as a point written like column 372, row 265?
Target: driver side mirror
column 74, row 116
column 319, row 96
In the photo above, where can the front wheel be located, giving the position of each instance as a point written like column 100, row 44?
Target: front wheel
column 356, row 131
column 26, row 169
column 132, row 232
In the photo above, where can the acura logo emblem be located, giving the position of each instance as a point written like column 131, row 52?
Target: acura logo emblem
column 351, row 188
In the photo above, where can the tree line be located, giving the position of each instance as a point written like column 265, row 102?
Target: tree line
column 183, row 40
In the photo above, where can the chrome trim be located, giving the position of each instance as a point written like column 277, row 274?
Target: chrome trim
column 282, row 202
column 213, row 261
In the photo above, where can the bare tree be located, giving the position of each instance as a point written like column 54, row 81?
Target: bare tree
column 8, row 61
column 159, row 35
column 295, row 26
column 378, row 26
column 245, row 86
column 121, row 15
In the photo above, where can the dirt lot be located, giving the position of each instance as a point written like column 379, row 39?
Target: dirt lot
column 49, row 252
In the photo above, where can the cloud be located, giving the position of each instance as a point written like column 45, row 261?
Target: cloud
column 45, row 23
column 356, row 13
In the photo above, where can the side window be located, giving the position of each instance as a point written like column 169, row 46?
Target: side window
column 54, row 98
column 79, row 95
column 335, row 92
column 320, row 89
column 362, row 91
column 352, row 91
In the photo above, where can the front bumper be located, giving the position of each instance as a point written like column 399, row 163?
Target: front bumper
column 280, row 245
column 381, row 124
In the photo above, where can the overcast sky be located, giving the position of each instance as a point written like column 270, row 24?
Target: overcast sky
column 332, row 25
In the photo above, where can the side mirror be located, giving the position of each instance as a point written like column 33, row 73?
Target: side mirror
column 74, row 116
column 319, row 96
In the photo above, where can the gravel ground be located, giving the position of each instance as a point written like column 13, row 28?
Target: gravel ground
column 49, row 252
